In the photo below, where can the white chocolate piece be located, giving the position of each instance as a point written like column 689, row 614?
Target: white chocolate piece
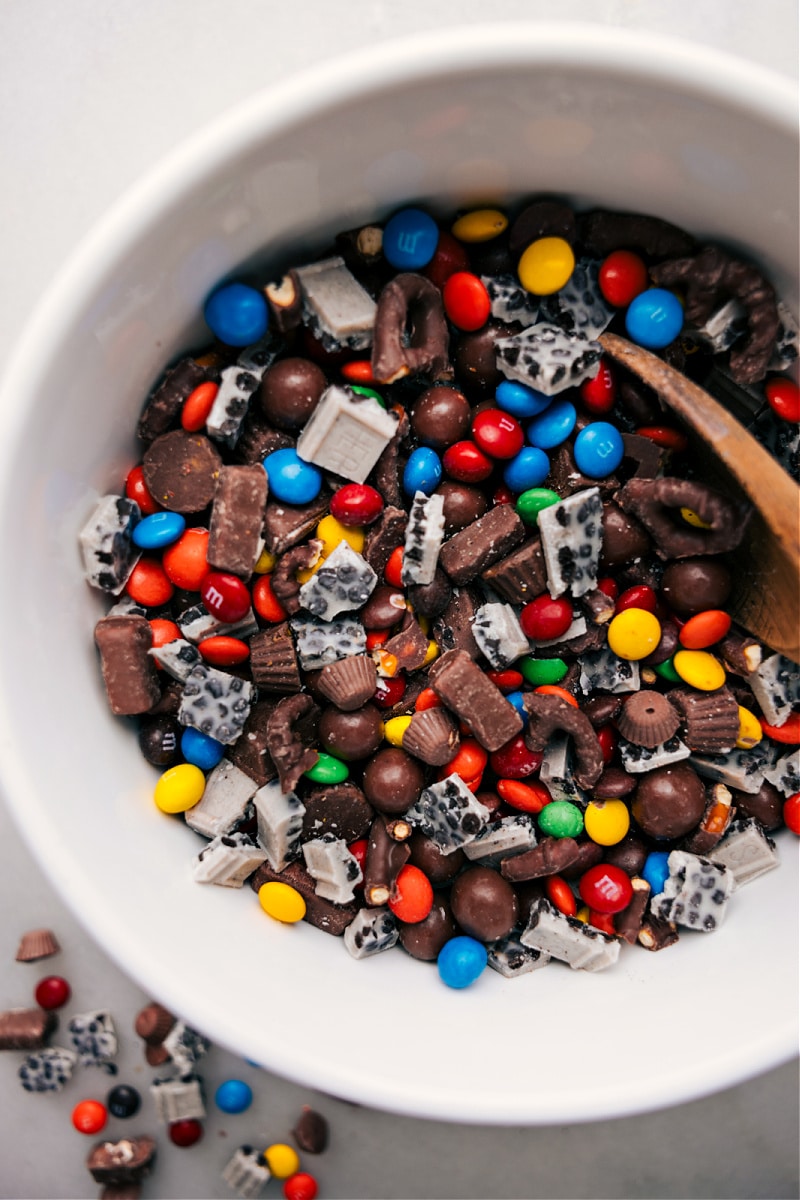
column 784, row 773
column 556, row 771
column 372, row 931
column 236, row 386
column 580, row 305
column 502, row 839
column 499, row 635
column 197, row 623
column 47, row 1070
column 576, row 629
column 228, row 860
column 638, row 759
column 509, row 300
column 746, row 851
column 602, row 670
column 547, row 358
column 448, row 813
column 569, row 940
column 246, row 1173
column 739, row 769
column 178, row 1099
column 333, row 868
column 223, row 803
column 217, row 704
column 93, row 1037
column 185, row 1046
column 321, row 642
column 695, row 894
column 280, row 823
column 572, row 538
column 339, row 311
column 178, row 658
column 787, row 343
column 108, row 552
column 723, row 327
column 776, row 686
column 346, row 434
column 344, row 581
column 511, row 958
column 424, row 537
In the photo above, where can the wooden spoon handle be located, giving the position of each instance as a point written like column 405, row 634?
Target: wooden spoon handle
column 766, row 597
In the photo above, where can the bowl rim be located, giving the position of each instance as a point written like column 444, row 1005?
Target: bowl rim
column 655, row 59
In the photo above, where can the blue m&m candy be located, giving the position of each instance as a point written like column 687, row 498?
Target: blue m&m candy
column 554, row 425
column 157, row 530
column 516, row 699
column 598, row 449
column 201, row 750
column 423, row 471
column 291, row 479
column 656, row 870
column 461, row 961
column 233, row 1096
column 410, row 239
column 520, row 400
column 527, row 469
column 654, row 318
column 237, row 314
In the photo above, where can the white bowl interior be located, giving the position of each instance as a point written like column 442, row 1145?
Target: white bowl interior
column 615, row 120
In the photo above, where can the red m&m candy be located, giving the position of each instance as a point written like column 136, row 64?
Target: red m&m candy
column 606, row 888
column 225, row 596
column 466, row 301
column 783, row 396
column 356, row 504
column 466, row 462
column 623, row 275
column 598, row 394
column 546, row 618
column 52, row 992
column 497, row 433
column 89, row 1116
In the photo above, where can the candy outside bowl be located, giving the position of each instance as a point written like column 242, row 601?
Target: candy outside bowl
column 604, row 117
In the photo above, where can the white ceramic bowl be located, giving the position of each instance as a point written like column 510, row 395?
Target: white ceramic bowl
column 633, row 122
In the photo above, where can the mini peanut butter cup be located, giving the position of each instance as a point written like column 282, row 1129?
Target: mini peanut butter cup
column 36, row 944
column 647, row 719
column 432, row 737
column 349, row 682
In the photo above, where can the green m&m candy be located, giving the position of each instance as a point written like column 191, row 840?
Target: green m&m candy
column 560, row 819
column 328, row 769
column 539, row 671
column 530, row 504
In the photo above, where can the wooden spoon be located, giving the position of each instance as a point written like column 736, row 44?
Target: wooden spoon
column 766, row 593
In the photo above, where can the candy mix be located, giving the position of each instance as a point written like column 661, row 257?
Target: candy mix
column 121, row 1162
column 420, row 602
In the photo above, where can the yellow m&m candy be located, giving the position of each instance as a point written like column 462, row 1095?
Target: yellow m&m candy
column 546, row 266
column 634, row 633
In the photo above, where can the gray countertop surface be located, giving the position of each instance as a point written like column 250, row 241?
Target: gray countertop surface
column 92, row 93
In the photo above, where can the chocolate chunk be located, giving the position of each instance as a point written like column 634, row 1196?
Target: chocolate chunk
column 290, row 756
column 351, row 735
column 602, row 709
column 543, row 218
column 431, row 599
column 711, row 719
column 37, row 944
column 237, row 517
column 550, row 714
column 257, row 438
column 287, row 524
column 740, row 653
column 290, row 391
column 340, row 809
column 669, row 801
column 393, row 780
column 713, row 276
column 384, row 536
column 657, row 502
column 410, row 302
column 384, row 860
column 484, row 904
column 647, row 719
column 26, row 1028
column 714, row 823
column 766, row 805
column 387, row 475
column 589, row 855
column 628, row 922
column 181, row 471
column 696, row 584
column 273, row 660
column 476, row 359
column 481, row 544
column 656, row 933
column 424, row 939
column 285, row 584
column 453, row 629
column 409, row 647
column 432, row 736
column 566, row 479
column 164, row 403
column 602, row 231
column 348, row 683
column 249, row 752
column 473, row 697
column 550, row 857
column 311, row 1131
column 285, row 299
column 613, row 783
column 462, row 505
column 521, row 576
column 123, row 1162
column 645, row 456
column 322, row 914
column 441, row 416
column 129, row 673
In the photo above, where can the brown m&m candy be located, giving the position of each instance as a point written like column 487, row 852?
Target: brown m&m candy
column 393, row 780
column 351, row 735
column 290, row 391
column 484, row 904
column 669, row 801
column 441, row 416
column 696, row 584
